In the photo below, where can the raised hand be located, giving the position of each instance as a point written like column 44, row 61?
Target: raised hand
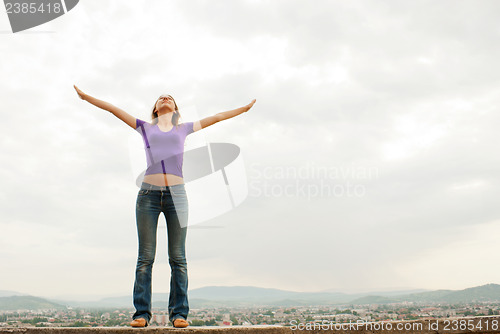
column 250, row 105
column 81, row 94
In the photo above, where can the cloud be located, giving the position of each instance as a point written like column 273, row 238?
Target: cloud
column 408, row 90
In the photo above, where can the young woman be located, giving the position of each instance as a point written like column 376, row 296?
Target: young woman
column 162, row 190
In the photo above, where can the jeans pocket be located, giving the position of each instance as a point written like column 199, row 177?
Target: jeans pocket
column 178, row 191
column 143, row 192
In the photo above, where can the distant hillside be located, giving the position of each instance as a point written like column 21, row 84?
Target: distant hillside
column 265, row 296
column 383, row 293
column 231, row 296
column 373, row 300
column 425, row 297
column 204, row 303
column 240, row 292
column 27, row 303
column 241, row 296
column 7, row 293
column 488, row 292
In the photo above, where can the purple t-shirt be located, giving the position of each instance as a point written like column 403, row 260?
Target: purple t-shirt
column 164, row 150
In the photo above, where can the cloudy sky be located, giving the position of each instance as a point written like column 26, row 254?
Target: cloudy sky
column 371, row 154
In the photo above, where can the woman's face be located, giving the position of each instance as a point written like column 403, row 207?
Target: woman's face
column 165, row 103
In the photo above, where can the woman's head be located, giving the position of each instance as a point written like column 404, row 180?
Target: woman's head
column 165, row 104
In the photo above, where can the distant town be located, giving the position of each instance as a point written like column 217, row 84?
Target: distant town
column 248, row 316
column 250, row 306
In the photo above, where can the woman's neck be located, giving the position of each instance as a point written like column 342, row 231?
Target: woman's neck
column 165, row 120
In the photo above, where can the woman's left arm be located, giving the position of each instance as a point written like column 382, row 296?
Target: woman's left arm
column 201, row 124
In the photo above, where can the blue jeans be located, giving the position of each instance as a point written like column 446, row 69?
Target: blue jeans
column 173, row 202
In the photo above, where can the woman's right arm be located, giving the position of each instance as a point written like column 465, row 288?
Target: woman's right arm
column 124, row 116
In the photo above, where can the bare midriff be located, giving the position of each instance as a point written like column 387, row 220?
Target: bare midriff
column 163, row 179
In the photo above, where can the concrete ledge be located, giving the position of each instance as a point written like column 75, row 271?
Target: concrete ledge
column 149, row 330
column 476, row 325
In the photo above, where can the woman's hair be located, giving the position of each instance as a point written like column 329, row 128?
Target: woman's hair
column 175, row 116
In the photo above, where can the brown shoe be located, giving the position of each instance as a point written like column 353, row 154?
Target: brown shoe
column 180, row 323
column 139, row 322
